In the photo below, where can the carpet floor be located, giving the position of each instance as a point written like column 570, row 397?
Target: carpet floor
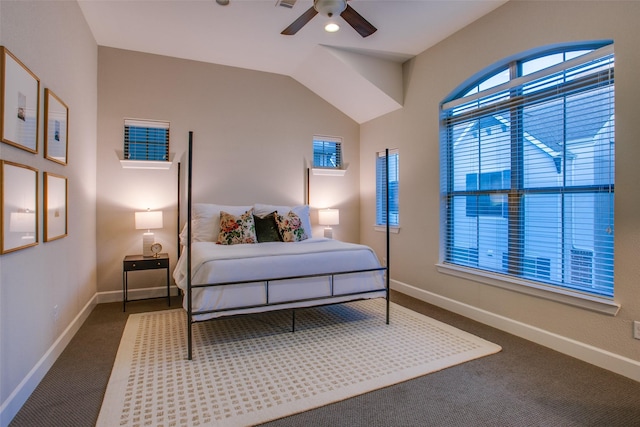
column 252, row 369
column 525, row 384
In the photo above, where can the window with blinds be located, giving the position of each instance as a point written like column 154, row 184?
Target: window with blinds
column 381, row 188
column 527, row 171
column 327, row 152
column 146, row 140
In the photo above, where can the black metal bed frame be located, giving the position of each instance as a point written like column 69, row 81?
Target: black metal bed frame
column 267, row 281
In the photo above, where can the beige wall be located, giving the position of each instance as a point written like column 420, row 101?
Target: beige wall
column 252, row 143
column 515, row 27
column 53, row 40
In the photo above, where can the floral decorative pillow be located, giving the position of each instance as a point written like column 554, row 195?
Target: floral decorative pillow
column 205, row 221
column 236, row 230
column 290, row 227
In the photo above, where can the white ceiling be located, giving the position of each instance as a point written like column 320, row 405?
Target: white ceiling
column 360, row 76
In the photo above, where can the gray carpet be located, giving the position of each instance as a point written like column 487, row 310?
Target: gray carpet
column 523, row 385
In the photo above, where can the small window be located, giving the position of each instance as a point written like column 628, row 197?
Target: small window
column 381, row 194
column 146, row 140
column 327, row 152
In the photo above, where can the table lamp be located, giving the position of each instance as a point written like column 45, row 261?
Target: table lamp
column 146, row 221
column 328, row 217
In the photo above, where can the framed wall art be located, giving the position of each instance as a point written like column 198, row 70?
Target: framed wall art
column 55, row 206
column 20, row 103
column 56, row 128
column 18, row 206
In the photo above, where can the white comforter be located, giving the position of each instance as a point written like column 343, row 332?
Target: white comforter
column 212, row 263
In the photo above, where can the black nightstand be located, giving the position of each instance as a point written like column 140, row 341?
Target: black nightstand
column 138, row 263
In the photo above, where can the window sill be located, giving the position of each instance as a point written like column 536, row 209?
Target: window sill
column 382, row 228
column 145, row 164
column 575, row 299
column 328, row 172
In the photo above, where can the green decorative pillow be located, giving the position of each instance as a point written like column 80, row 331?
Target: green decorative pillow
column 267, row 228
column 235, row 230
column 290, row 227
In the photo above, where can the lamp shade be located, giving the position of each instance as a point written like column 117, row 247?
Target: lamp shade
column 328, row 217
column 148, row 220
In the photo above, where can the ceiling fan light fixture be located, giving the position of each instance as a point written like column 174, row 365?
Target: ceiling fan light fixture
column 330, row 7
column 331, row 27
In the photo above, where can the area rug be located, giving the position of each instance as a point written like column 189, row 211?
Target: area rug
column 253, row 369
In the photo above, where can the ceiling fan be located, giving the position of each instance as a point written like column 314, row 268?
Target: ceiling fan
column 331, row 8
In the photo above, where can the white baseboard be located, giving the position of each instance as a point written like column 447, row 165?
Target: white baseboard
column 587, row 353
column 19, row 396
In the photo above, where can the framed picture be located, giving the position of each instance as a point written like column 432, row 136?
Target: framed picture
column 56, row 128
column 55, row 206
column 18, row 206
column 20, row 106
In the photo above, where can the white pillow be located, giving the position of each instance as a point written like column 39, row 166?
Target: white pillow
column 302, row 211
column 205, row 221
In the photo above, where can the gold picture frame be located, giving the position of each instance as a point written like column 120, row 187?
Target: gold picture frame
column 20, row 103
column 18, row 206
column 56, row 128
column 55, row 206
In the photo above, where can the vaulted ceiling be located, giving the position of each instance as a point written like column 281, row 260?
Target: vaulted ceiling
column 362, row 77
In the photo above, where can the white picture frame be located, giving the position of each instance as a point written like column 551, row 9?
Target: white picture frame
column 56, row 128
column 18, row 206
column 20, row 104
column 55, row 206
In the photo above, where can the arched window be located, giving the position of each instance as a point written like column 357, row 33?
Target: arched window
column 527, row 171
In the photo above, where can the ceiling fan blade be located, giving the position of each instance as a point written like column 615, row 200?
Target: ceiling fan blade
column 300, row 22
column 361, row 25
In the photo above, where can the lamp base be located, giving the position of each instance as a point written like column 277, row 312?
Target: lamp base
column 328, row 232
column 147, row 241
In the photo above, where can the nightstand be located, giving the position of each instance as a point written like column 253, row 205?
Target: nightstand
column 139, row 263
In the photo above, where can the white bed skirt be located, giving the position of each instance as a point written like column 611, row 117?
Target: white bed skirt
column 212, row 263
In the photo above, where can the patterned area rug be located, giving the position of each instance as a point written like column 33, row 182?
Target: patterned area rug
column 252, row 369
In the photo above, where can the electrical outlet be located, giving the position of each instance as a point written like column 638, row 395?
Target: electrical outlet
column 636, row 329
column 56, row 313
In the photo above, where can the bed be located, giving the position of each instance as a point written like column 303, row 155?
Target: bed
column 279, row 265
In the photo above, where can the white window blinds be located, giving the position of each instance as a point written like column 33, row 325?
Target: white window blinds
column 527, row 178
column 327, row 152
column 146, row 140
column 381, row 188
